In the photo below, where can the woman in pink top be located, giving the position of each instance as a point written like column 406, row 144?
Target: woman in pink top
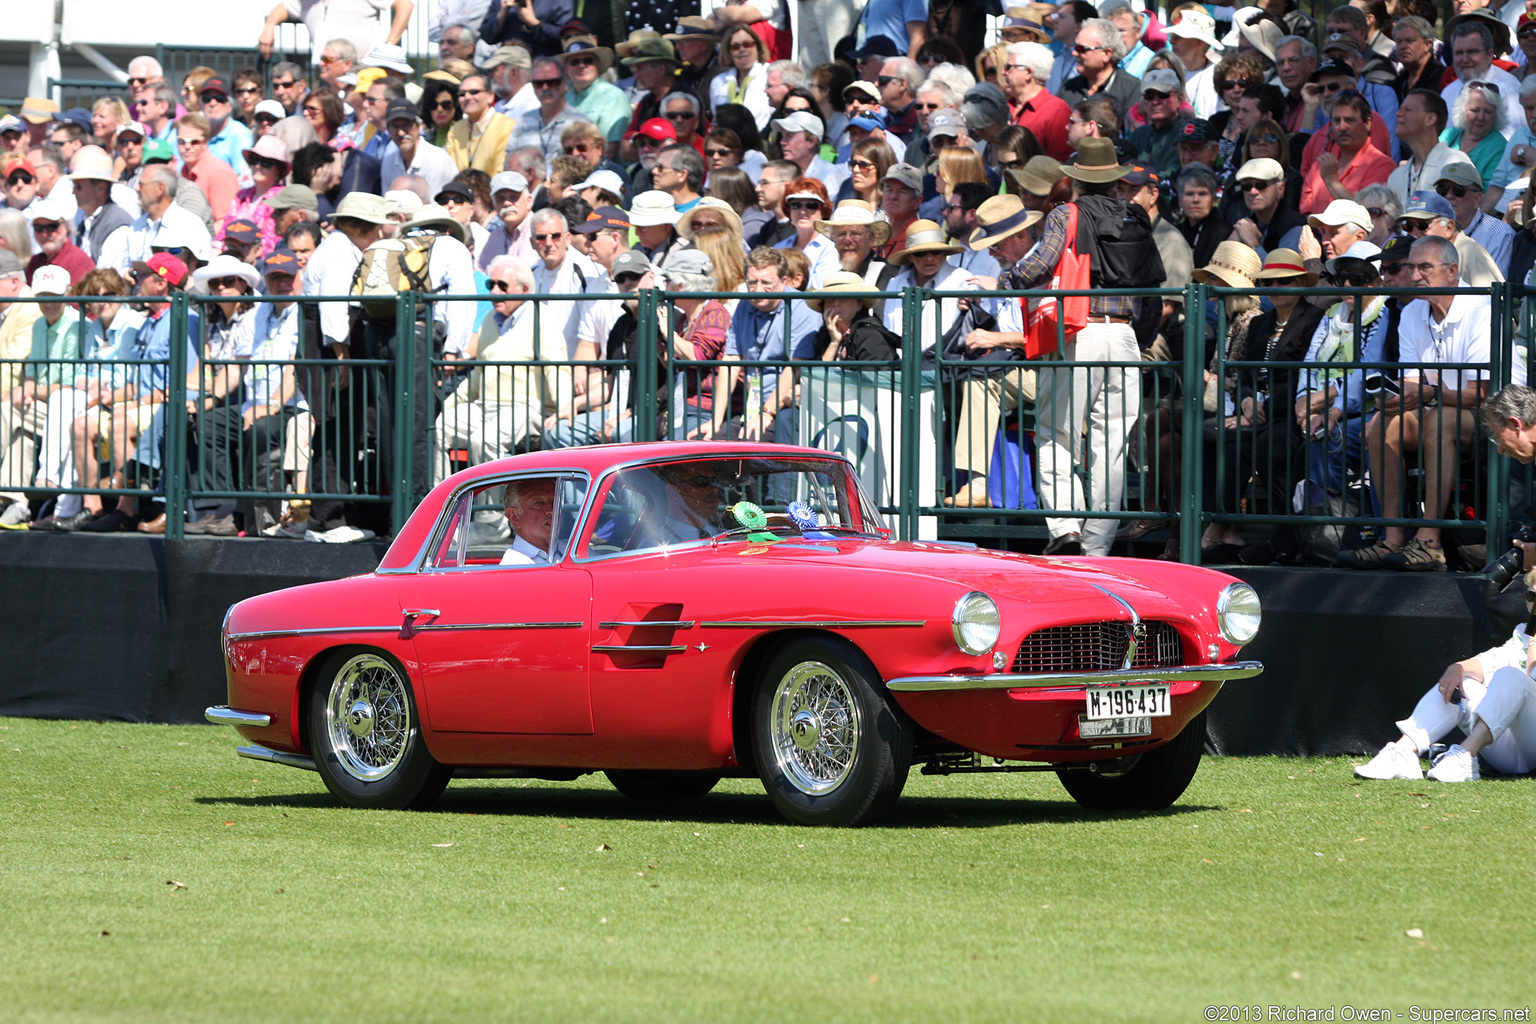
column 269, row 163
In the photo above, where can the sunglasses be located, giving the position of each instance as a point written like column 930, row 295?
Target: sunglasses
column 20, row 178
column 46, row 227
column 1445, row 188
column 499, row 286
column 1080, row 49
column 1490, row 86
column 1375, row 211
column 884, row 80
column 1356, row 279
column 191, row 142
column 314, row 110
column 625, row 280
column 687, row 115
column 1268, row 138
column 1153, row 96
column 285, row 85
column 452, row 199
column 1253, row 186
column 804, row 204
column 581, row 62
column 261, row 161
column 543, row 83
column 863, row 165
column 1223, row 84
column 134, row 83
column 719, row 152
column 246, row 90
column 928, row 106
column 212, row 97
column 555, row 237
column 477, row 92
column 444, row 105
column 738, row 47
column 1412, row 226
column 1526, row 33
column 647, row 142
column 930, row 58
column 224, row 282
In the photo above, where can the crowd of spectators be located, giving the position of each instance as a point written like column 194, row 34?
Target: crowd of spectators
column 663, row 146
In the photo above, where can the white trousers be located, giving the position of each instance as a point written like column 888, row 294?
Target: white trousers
column 56, row 460
column 488, row 429
column 1095, row 404
column 1506, row 704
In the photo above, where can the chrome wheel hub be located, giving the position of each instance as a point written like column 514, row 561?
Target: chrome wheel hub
column 368, row 718
column 815, row 729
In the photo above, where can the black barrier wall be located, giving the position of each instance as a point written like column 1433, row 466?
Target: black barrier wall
column 127, row 629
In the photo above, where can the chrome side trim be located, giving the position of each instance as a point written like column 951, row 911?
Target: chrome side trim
column 449, row 626
column 1013, row 681
column 220, row 714
column 267, row 634
column 278, row 757
column 817, row 624
column 638, row 649
column 624, row 624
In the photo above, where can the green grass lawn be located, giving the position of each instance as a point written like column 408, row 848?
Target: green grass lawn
column 147, row 873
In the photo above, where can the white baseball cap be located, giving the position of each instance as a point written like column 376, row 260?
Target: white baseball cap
column 50, row 280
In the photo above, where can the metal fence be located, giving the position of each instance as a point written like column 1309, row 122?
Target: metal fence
column 380, row 428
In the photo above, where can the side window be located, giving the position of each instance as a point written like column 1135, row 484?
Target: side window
column 517, row 522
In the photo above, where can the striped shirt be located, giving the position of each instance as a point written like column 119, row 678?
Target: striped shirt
column 1039, row 264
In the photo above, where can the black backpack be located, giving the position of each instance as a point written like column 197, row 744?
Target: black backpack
column 1117, row 237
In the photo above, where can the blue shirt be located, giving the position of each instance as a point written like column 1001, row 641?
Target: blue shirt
column 889, row 18
column 229, row 145
column 153, row 342
column 756, row 335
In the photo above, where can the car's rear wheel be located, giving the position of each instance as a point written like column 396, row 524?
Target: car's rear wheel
column 832, row 747
column 1149, row 783
column 659, row 785
column 366, row 735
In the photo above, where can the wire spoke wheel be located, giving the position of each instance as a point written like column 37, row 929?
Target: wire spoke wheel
column 816, row 728
column 368, row 718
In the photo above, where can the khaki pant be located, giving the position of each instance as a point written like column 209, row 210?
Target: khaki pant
column 986, row 401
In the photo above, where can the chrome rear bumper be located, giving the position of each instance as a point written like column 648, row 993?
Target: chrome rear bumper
column 221, row 714
column 278, row 757
column 1013, row 681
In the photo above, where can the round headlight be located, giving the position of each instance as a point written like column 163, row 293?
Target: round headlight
column 1238, row 613
column 977, row 623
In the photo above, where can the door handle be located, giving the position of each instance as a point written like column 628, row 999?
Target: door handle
column 412, row 614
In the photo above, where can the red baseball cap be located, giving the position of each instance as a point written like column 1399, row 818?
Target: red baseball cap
column 659, row 128
column 163, row 264
column 17, row 165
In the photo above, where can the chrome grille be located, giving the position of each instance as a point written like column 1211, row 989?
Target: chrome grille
column 1097, row 647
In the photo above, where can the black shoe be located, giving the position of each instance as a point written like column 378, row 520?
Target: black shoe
column 112, row 522
column 1221, row 554
column 1066, row 544
column 46, row 524
column 74, row 523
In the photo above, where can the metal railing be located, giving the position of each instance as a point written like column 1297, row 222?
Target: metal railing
column 901, row 422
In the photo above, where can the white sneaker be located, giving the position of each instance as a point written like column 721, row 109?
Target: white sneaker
column 1392, row 763
column 1455, row 765
column 16, row 516
column 340, row 535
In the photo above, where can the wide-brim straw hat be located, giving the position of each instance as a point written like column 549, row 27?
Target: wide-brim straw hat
column 856, row 211
column 923, row 236
column 1284, row 264
column 842, row 281
column 1000, row 217
column 432, row 215
column 720, row 206
column 1232, row 265
column 587, row 44
column 1096, row 162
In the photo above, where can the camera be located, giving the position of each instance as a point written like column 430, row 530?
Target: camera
column 1503, row 570
column 1376, row 383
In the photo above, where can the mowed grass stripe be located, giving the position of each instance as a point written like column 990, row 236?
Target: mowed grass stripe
column 980, row 898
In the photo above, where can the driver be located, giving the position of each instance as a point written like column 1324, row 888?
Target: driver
column 693, row 503
column 530, row 509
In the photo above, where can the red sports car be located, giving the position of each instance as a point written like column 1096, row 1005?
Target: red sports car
column 671, row 613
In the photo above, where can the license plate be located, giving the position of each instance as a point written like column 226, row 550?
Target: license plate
column 1128, row 701
column 1091, row 729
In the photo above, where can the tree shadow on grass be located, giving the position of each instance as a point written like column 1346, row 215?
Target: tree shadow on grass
column 555, row 801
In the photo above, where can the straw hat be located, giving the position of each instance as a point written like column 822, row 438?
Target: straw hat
column 720, row 206
column 856, row 211
column 1233, row 265
column 432, row 216
column 585, row 45
column 842, row 281
column 1284, row 264
column 999, row 218
column 923, row 236
column 638, row 36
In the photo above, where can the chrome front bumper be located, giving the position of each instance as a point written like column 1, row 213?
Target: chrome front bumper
column 1012, row 681
column 221, row 714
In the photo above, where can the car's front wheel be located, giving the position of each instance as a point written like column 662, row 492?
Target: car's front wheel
column 1151, row 782
column 832, row 747
column 366, row 735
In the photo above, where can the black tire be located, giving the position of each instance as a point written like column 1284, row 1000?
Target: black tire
column 655, row 785
column 366, row 735
column 832, row 748
column 1151, row 782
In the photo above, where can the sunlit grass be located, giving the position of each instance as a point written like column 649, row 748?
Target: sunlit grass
column 146, row 873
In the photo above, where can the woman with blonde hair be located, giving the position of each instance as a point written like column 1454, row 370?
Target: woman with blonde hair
column 16, row 234
column 957, row 165
column 192, row 86
column 714, row 228
column 990, row 62
column 107, row 113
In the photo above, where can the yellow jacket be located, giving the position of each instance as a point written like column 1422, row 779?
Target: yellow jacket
column 16, row 339
column 488, row 153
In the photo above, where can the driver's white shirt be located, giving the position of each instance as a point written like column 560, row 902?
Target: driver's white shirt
column 523, row 553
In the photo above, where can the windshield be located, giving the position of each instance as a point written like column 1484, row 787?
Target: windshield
column 705, row 501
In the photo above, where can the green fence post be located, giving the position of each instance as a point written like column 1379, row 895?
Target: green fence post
column 174, row 466
column 1506, row 306
column 405, row 368
column 1191, row 422
column 911, row 390
column 644, row 382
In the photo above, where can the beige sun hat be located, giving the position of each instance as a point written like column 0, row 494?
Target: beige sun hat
column 1232, row 265
column 431, row 216
column 999, row 217
column 1284, row 264
column 923, row 236
column 856, row 211
column 720, row 206
column 842, row 281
